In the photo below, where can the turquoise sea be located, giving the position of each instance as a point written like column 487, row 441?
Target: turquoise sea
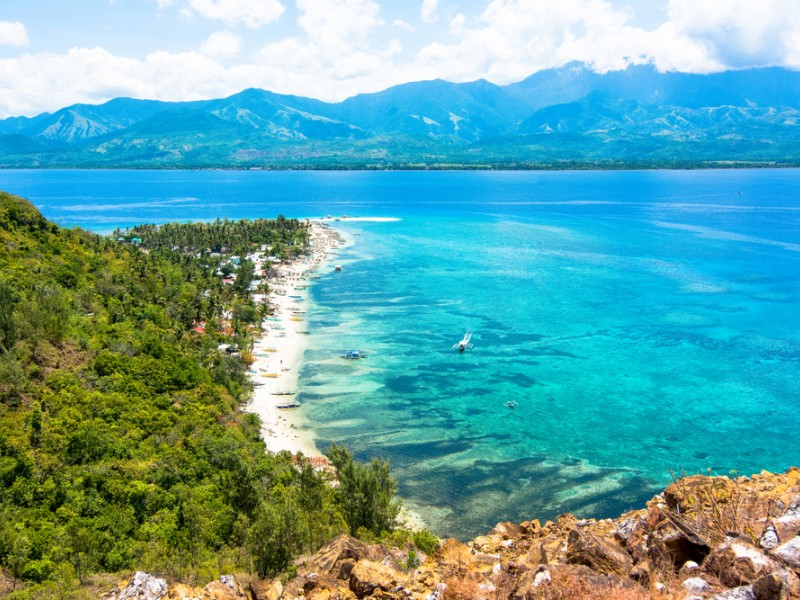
column 643, row 322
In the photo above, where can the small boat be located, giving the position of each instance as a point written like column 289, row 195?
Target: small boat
column 283, row 393
column 294, row 296
column 295, row 318
column 288, row 405
column 464, row 344
column 273, row 375
column 353, row 355
column 337, row 268
column 511, row 404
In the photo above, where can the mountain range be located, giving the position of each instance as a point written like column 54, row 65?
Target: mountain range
column 556, row 118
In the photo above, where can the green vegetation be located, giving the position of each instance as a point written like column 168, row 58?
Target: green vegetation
column 122, row 444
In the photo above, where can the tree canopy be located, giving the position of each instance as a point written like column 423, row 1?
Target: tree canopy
column 122, row 442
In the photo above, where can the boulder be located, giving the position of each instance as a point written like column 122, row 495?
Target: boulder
column 744, row 592
column 603, row 556
column 530, row 528
column 318, row 585
column 226, row 588
column 696, row 585
column 142, row 586
column 368, row 576
column 454, row 553
column 789, row 552
column 739, row 563
column 343, row 548
column 692, row 494
column 268, row 589
column 777, row 586
column 180, row 591
column 769, row 539
column 506, row 530
column 625, row 530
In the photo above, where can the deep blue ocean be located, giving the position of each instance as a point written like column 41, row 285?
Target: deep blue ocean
column 643, row 322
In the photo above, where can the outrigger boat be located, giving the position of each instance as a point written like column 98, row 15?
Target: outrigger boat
column 288, row 405
column 353, row 354
column 464, row 344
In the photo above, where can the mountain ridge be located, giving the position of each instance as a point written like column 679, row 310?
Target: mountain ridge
column 566, row 116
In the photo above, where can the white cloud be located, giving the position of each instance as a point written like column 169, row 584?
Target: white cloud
column 250, row 13
column 343, row 24
column 222, row 45
column 13, row 34
column 457, row 24
column 514, row 38
column 429, row 8
column 741, row 33
column 344, row 47
column 403, row 24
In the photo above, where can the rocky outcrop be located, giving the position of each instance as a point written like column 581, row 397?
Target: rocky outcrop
column 143, row 586
column 702, row 538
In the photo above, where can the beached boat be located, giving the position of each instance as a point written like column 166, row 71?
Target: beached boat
column 288, row 405
column 283, row 393
column 295, row 318
column 353, row 354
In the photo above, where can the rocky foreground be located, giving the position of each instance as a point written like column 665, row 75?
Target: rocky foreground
column 703, row 537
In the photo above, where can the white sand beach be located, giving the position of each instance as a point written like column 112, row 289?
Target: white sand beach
column 279, row 351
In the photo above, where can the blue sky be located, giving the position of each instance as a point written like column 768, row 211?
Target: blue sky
column 55, row 53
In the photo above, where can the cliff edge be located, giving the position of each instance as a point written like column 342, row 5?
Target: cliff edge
column 702, row 537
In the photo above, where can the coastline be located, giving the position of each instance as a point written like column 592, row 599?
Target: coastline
column 278, row 352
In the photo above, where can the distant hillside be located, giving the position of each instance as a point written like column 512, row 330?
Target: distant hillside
column 569, row 116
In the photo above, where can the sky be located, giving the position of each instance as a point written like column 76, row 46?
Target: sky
column 54, row 53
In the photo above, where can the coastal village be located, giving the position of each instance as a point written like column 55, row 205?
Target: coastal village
column 278, row 352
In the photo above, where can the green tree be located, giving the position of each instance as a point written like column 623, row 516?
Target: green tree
column 275, row 537
column 366, row 492
column 8, row 300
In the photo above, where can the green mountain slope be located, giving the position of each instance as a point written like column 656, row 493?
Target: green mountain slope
column 639, row 115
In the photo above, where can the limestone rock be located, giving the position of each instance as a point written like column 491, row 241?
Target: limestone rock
column 141, row 587
column 266, row 589
column 227, row 588
column 739, row 563
column 530, row 528
column 341, row 549
column 769, row 539
column 691, row 494
column 603, row 556
column 771, row 587
column 368, row 576
column 506, row 530
column 744, row 592
column 180, row 591
column 696, row 585
column 789, row 552
column 454, row 553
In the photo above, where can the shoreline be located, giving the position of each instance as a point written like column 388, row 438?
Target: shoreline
column 278, row 351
